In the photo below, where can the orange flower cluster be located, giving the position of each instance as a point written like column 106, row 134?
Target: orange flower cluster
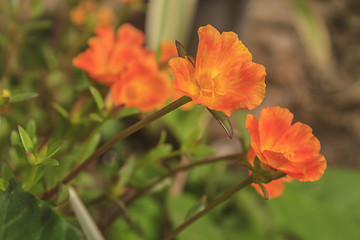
column 121, row 62
column 89, row 11
column 289, row 148
column 224, row 77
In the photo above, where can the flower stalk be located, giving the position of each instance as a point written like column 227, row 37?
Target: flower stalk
column 123, row 134
column 231, row 157
column 211, row 206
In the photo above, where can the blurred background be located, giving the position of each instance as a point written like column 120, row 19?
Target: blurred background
column 311, row 52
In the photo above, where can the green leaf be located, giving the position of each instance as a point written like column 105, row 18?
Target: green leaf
column 97, row 97
column 49, row 163
column 63, row 194
column 96, row 117
column 198, row 206
column 7, row 172
column 39, row 173
column 224, row 121
column 31, row 128
column 60, row 110
column 22, row 216
column 3, row 184
column 264, row 191
column 25, row 139
column 14, row 139
column 126, row 171
column 54, row 148
column 89, row 147
column 22, row 96
column 180, row 49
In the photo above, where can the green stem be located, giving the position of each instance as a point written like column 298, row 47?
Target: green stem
column 123, row 134
column 184, row 168
column 30, row 180
column 212, row 205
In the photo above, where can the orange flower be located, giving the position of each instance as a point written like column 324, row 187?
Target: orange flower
column 90, row 12
column 109, row 56
column 275, row 188
column 142, row 87
column 168, row 50
column 224, row 78
column 291, row 149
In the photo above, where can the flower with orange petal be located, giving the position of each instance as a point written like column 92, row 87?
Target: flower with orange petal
column 275, row 188
column 289, row 148
column 224, row 77
column 89, row 12
column 142, row 87
column 109, row 56
column 168, row 50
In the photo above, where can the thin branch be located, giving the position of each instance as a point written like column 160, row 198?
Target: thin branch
column 106, row 146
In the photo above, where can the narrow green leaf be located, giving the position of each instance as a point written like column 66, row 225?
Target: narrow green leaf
column 6, row 171
column 3, row 184
column 31, row 128
column 180, row 49
column 88, row 225
column 60, row 110
column 39, row 173
column 41, row 150
column 63, row 194
column 126, row 171
column 54, row 148
column 224, row 121
column 22, row 216
column 96, row 117
column 49, row 163
column 198, row 206
column 125, row 112
column 25, row 139
column 90, row 147
column 22, row 96
column 264, row 191
column 14, row 139
column 97, row 97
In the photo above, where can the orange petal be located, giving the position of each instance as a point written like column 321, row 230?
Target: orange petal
column 280, row 161
column 168, row 50
column 216, row 52
column 314, row 168
column 184, row 77
column 142, row 87
column 300, row 141
column 275, row 188
column 273, row 122
column 94, row 60
column 127, row 33
column 241, row 87
column 253, row 127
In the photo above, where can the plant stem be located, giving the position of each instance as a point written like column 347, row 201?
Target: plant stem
column 212, row 205
column 123, row 134
column 142, row 192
